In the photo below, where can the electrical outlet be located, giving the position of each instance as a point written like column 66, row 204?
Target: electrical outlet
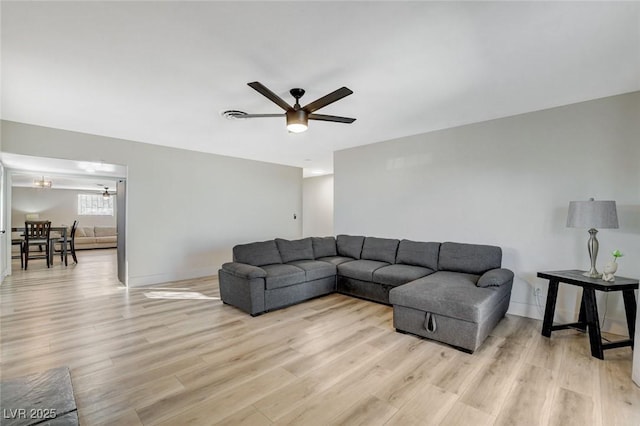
column 537, row 291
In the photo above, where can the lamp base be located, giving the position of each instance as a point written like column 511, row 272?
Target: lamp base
column 590, row 274
column 592, row 246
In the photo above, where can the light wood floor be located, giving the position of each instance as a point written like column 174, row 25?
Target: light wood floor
column 332, row 360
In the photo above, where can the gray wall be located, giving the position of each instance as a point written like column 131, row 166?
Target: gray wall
column 507, row 182
column 317, row 205
column 185, row 209
column 60, row 206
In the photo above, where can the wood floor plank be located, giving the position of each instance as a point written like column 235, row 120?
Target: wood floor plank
column 571, row 409
column 493, row 382
column 409, row 378
column 332, row 360
column 247, row 416
column 620, row 398
column 325, row 406
column 216, row 407
column 462, row 414
column 578, row 366
column 525, row 403
column 278, row 402
column 427, row 407
column 371, row 411
column 457, row 375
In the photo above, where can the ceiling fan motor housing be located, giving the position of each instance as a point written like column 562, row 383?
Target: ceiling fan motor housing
column 297, row 120
column 297, row 93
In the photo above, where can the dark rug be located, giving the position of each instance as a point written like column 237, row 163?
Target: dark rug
column 39, row 399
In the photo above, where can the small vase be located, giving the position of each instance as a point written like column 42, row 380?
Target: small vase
column 609, row 271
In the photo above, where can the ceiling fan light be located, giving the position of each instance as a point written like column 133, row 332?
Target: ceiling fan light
column 297, row 121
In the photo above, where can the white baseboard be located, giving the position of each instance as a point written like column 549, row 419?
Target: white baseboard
column 609, row 325
column 525, row 310
column 147, row 280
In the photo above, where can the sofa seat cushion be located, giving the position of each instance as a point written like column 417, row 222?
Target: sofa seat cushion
column 400, row 274
column 450, row 294
column 279, row 275
column 336, row 260
column 360, row 269
column 315, row 269
column 112, row 239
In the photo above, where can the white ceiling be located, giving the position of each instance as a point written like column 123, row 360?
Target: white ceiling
column 64, row 174
column 161, row 72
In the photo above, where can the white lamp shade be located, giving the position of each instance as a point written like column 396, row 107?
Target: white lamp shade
column 592, row 214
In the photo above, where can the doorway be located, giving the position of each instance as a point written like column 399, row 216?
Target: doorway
column 65, row 190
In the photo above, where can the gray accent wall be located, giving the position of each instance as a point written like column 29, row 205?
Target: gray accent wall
column 507, row 182
column 185, row 209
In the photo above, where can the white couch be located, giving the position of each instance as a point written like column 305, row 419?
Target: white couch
column 91, row 237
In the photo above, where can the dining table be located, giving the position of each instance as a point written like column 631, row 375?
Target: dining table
column 62, row 230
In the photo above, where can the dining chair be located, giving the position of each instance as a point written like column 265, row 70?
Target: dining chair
column 37, row 233
column 71, row 244
column 18, row 242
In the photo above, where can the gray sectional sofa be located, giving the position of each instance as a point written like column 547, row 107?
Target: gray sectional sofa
column 450, row 292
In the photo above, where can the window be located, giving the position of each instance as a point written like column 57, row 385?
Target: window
column 94, row 205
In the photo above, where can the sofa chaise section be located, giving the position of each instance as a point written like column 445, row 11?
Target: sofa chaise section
column 460, row 303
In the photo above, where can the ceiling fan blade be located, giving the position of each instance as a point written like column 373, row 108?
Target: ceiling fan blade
column 259, row 115
column 327, row 99
column 262, row 89
column 334, row 118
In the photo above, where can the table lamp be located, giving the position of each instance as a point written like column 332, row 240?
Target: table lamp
column 592, row 214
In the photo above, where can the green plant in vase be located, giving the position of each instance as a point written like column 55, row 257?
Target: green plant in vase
column 611, row 267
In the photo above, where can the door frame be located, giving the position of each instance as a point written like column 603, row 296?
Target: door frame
column 5, row 247
column 6, row 211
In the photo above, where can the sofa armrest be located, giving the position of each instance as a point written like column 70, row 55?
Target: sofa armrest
column 495, row 278
column 244, row 270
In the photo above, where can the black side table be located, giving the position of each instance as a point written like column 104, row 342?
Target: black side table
column 588, row 316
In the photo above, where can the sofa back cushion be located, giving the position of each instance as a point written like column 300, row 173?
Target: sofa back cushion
column 85, row 231
column 295, row 250
column 257, row 254
column 105, row 231
column 349, row 245
column 324, row 246
column 418, row 254
column 469, row 258
column 380, row 249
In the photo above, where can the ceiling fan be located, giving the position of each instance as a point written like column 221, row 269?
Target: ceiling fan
column 106, row 194
column 297, row 116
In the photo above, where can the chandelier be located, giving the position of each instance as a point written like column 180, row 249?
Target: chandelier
column 41, row 183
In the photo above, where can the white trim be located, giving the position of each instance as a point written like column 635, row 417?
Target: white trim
column 610, row 324
column 146, row 280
